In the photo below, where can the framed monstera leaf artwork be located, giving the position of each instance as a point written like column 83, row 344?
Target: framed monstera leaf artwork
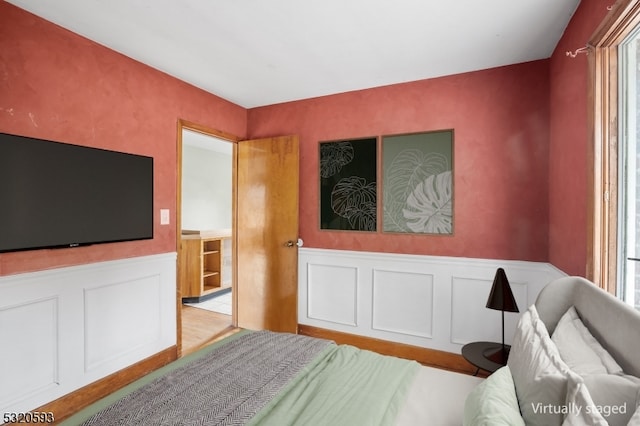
column 417, row 183
column 348, row 189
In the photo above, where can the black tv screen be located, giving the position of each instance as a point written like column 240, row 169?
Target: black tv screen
column 61, row 195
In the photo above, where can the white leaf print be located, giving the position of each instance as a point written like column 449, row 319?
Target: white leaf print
column 407, row 170
column 429, row 207
column 355, row 199
column 333, row 156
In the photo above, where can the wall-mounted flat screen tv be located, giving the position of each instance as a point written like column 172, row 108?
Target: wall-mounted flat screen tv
column 55, row 195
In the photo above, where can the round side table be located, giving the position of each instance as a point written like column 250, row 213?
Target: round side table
column 476, row 353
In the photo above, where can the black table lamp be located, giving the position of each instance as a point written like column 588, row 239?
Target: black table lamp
column 501, row 299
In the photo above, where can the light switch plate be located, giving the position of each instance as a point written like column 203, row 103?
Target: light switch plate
column 164, row 216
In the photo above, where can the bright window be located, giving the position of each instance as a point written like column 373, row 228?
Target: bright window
column 628, row 172
column 614, row 240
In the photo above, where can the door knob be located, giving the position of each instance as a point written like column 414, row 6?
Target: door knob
column 292, row 243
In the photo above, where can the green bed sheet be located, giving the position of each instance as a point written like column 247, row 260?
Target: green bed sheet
column 343, row 385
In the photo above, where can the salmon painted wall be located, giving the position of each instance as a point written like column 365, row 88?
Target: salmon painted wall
column 59, row 86
column 501, row 122
column 569, row 138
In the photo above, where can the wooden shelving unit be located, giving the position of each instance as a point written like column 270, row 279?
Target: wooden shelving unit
column 200, row 265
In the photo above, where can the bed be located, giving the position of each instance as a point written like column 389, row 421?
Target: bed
column 263, row 378
column 575, row 361
column 266, row 378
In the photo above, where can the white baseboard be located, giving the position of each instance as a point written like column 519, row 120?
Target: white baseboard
column 64, row 328
column 434, row 302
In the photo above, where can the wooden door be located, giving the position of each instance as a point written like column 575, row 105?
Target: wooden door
column 267, row 232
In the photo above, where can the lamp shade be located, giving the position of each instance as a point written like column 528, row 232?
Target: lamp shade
column 501, row 298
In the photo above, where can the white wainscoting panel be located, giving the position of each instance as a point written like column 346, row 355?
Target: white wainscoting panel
column 472, row 321
column 399, row 299
column 333, row 294
column 37, row 319
column 115, row 326
column 65, row 328
column 433, row 302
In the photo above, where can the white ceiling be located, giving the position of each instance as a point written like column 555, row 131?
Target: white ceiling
column 262, row 52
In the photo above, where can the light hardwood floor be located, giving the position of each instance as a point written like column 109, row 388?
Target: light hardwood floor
column 201, row 327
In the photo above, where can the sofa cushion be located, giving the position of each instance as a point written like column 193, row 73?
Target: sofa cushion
column 635, row 419
column 581, row 408
column 493, row 402
column 579, row 349
column 539, row 374
column 601, row 399
column 614, row 396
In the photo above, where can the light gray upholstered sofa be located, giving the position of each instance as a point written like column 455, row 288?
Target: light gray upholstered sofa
column 575, row 360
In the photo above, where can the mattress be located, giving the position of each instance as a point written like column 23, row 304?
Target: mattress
column 265, row 378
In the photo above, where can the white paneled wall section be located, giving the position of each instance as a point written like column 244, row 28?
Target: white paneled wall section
column 62, row 329
column 428, row 301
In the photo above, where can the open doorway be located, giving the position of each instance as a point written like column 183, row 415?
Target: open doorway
column 264, row 255
column 205, row 260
